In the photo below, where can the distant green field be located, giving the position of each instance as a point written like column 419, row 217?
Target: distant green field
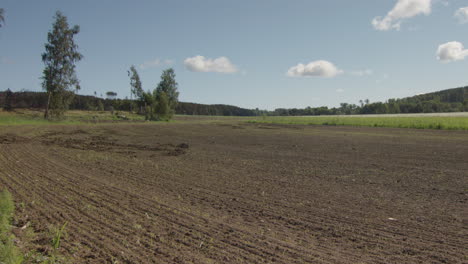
column 460, row 122
column 419, row 122
column 21, row 118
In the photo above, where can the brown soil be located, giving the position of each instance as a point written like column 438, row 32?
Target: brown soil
column 240, row 193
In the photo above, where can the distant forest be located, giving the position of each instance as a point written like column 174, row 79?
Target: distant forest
column 37, row 100
column 450, row 100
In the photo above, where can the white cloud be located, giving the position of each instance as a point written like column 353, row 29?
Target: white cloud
column 319, row 68
column 362, row 72
column 462, row 15
column 155, row 63
column 202, row 64
column 451, row 51
column 339, row 90
column 402, row 10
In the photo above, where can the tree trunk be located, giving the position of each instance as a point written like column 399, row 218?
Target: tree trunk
column 46, row 113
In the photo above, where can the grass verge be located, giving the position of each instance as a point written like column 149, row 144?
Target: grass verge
column 9, row 253
column 36, row 117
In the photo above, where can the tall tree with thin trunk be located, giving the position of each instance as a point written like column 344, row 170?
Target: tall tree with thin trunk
column 136, row 88
column 2, row 17
column 59, row 76
column 135, row 83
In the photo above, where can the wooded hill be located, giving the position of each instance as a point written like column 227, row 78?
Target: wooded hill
column 450, row 100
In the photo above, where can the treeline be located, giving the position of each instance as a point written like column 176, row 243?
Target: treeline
column 85, row 102
column 450, row 100
column 216, row 110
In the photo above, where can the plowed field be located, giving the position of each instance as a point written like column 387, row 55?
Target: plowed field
column 240, row 193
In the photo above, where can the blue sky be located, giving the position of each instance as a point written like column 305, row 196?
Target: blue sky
column 249, row 53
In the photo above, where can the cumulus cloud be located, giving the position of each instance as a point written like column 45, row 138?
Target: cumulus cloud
column 402, row 10
column 202, row 64
column 462, row 15
column 362, row 72
column 155, row 63
column 319, row 68
column 451, row 51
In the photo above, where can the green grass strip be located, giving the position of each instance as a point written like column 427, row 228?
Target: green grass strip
column 9, row 253
column 423, row 122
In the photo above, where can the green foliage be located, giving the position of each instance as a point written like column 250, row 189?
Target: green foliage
column 59, row 104
column 39, row 100
column 100, row 106
column 12, row 118
column 111, row 95
column 8, row 105
column 168, row 86
column 87, row 106
column 9, row 253
column 59, row 77
column 149, row 113
column 162, row 108
column 57, row 235
column 161, row 103
column 136, row 90
column 135, row 84
column 450, row 100
column 32, row 117
column 443, row 102
column 6, row 211
column 2, row 16
column 215, row 110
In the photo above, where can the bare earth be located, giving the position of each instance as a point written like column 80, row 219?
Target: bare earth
column 240, row 193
